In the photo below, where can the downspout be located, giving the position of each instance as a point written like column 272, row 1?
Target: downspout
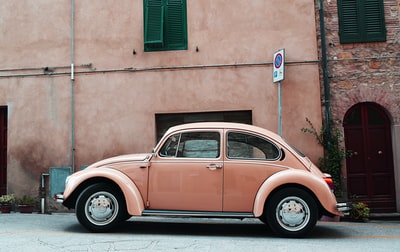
column 327, row 95
column 72, row 86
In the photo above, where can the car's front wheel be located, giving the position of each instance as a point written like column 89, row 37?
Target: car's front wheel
column 100, row 207
column 291, row 212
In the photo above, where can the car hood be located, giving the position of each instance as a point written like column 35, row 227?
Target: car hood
column 122, row 159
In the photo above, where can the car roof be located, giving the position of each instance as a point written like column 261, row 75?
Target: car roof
column 224, row 125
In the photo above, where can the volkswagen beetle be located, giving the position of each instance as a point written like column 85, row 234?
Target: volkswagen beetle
column 223, row 170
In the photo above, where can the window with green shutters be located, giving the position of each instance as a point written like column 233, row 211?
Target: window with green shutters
column 361, row 21
column 165, row 25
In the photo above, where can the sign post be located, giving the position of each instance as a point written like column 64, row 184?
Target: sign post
column 278, row 75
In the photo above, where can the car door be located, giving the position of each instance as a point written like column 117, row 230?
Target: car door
column 187, row 172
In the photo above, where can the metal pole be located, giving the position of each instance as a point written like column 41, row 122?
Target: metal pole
column 279, row 108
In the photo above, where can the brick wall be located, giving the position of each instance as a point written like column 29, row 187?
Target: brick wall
column 364, row 72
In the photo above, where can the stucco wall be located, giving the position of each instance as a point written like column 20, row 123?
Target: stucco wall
column 117, row 92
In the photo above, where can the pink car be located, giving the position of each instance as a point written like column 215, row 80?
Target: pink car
column 224, row 170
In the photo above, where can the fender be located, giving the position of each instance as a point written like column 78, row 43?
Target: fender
column 132, row 195
column 317, row 185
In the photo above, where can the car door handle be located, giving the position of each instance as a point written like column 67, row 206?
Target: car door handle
column 214, row 166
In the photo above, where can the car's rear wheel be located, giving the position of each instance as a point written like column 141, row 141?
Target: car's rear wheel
column 100, row 207
column 291, row 212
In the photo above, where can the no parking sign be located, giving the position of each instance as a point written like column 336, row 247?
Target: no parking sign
column 279, row 66
column 277, row 76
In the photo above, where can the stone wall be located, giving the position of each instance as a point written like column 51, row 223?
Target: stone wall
column 365, row 72
column 362, row 72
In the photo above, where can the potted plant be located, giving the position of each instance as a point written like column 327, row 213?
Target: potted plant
column 359, row 212
column 26, row 204
column 6, row 202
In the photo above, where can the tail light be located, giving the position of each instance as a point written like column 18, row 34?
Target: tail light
column 328, row 179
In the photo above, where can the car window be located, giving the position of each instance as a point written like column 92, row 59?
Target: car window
column 170, row 146
column 248, row 146
column 192, row 145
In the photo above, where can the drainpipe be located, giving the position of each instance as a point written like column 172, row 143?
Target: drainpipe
column 72, row 86
column 327, row 95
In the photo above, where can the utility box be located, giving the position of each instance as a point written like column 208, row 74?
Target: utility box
column 58, row 175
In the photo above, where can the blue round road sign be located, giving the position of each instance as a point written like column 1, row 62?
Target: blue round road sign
column 278, row 60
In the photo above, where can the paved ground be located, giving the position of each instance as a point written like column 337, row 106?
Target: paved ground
column 62, row 232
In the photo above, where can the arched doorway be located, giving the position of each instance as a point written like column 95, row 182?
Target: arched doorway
column 370, row 172
column 3, row 150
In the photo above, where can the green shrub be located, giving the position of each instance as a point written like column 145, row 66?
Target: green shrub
column 26, row 200
column 334, row 152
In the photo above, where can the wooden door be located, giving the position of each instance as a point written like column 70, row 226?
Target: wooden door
column 3, row 150
column 370, row 172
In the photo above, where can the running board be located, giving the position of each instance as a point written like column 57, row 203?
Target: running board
column 240, row 215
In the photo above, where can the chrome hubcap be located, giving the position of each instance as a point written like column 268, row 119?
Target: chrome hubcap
column 101, row 208
column 293, row 213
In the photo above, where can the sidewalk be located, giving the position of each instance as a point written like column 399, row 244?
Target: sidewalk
column 385, row 216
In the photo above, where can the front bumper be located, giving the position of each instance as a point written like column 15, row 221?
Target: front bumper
column 344, row 207
column 59, row 197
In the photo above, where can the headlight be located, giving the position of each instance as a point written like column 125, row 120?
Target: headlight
column 66, row 180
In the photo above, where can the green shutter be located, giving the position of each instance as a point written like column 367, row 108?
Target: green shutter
column 165, row 25
column 349, row 25
column 361, row 21
column 154, row 22
column 175, row 29
column 375, row 29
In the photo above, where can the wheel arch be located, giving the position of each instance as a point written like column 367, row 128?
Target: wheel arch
column 321, row 209
column 132, row 196
column 317, row 188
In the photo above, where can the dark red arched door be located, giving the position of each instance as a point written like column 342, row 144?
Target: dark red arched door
column 3, row 150
column 370, row 172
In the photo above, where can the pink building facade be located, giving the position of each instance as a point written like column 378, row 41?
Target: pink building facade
column 85, row 80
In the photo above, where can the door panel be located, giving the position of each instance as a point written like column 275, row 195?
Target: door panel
column 358, row 186
column 378, row 154
column 242, row 180
column 370, row 172
column 175, row 185
column 355, row 148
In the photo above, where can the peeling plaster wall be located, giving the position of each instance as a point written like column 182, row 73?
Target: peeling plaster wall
column 115, row 108
column 38, row 129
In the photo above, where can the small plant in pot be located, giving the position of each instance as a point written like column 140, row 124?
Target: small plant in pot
column 359, row 212
column 6, row 202
column 26, row 204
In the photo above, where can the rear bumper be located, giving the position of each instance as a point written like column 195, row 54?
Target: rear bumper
column 344, row 207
